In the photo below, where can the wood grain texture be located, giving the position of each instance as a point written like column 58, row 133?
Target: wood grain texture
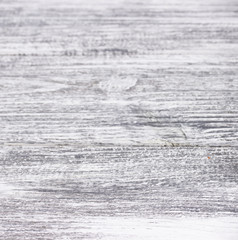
column 119, row 119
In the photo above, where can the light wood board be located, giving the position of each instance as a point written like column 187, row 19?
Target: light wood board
column 118, row 119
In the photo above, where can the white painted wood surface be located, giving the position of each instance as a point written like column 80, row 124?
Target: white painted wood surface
column 118, row 119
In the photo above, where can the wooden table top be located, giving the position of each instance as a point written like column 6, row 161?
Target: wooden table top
column 118, row 119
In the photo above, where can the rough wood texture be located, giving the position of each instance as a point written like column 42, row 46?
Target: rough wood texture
column 119, row 119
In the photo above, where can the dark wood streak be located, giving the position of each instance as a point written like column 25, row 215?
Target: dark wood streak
column 118, row 115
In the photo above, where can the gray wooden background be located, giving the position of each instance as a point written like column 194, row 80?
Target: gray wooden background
column 118, row 119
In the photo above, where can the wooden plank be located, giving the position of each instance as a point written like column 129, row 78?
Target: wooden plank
column 92, row 191
column 150, row 74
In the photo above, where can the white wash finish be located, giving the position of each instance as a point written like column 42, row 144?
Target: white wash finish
column 118, row 119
